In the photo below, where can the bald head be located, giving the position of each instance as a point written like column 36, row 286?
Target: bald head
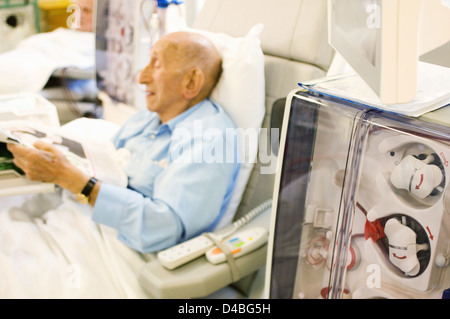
column 192, row 50
column 183, row 70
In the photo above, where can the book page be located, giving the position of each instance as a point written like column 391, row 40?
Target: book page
column 95, row 158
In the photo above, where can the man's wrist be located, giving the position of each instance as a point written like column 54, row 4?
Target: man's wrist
column 84, row 195
column 73, row 180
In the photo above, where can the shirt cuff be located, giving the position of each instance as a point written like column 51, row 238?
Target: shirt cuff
column 110, row 200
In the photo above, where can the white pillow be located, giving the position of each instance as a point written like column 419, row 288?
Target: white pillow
column 241, row 93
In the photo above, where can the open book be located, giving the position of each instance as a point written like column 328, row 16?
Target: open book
column 96, row 158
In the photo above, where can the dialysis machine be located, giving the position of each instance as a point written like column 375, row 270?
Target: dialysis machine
column 361, row 204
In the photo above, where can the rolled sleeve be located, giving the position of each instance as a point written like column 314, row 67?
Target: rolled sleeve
column 110, row 198
column 139, row 220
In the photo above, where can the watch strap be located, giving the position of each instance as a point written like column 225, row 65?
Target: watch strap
column 87, row 190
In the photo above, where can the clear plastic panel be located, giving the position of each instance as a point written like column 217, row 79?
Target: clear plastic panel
column 402, row 222
column 363, row 207
column 309, row 196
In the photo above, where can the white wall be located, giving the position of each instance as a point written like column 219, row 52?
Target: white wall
column 192, row 9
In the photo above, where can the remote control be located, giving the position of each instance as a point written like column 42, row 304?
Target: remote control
column 239, row 244
column 180, row 254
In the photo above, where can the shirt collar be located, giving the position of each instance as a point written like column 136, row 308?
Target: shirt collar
column 171, row 124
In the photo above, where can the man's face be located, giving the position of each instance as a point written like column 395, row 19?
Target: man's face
column 162, row 78
column 86, row 7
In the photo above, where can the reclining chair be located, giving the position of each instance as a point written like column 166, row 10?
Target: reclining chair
column 295, row 46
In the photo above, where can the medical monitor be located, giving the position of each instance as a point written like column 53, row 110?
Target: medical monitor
column 382, row 40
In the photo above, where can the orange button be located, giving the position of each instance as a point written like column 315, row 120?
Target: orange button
column 236, row 251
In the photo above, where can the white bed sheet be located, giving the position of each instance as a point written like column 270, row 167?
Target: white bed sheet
column 28, row 67
column 50, row 248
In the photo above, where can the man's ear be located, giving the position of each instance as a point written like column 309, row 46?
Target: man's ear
column 193, row 83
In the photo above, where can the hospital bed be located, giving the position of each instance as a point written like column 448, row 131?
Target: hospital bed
column 295, row 47
column 58, row 65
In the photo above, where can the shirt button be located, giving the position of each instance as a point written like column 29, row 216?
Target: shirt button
column 153, row 136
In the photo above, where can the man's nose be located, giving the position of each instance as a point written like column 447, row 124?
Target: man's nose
column 145, row 75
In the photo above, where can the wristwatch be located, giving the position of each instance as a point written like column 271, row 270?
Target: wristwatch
column 83, row 197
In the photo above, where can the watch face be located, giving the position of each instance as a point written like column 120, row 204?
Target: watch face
column 82, row 198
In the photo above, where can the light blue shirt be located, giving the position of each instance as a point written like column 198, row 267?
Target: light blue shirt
column 181, row 175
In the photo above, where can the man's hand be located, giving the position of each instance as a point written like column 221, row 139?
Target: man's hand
column 47, row 164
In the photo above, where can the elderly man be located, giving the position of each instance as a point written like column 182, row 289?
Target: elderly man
column 173, row 191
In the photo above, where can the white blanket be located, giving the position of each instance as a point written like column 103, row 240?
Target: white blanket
column 28, row 67
column 50, row 248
